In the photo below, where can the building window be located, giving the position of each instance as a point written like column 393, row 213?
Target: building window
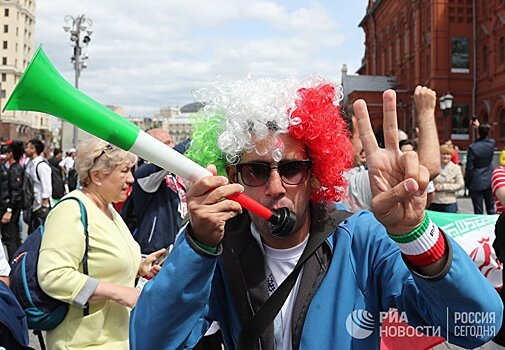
column 502, row 50
column 3, row 94
column 4, row 76
column 6, row 12
column 502, row 124
column 6, row 28
column 4, row 45
column 485, row 58
column 4, row 61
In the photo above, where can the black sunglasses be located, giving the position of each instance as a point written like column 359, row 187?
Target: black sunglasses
column 108, row 147
column 292, row 172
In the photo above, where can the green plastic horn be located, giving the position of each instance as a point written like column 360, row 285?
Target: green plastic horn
column 43, row 89
column 49, row 93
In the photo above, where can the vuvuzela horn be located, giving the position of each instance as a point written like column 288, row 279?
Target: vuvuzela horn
column 43, row 89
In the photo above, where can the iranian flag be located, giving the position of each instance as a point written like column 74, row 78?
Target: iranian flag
column 475, row 234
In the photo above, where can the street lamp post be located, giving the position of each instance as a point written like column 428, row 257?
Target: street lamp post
column 446, row 105
column 80, row 35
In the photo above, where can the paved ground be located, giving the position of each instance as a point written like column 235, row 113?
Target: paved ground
column 465, row 207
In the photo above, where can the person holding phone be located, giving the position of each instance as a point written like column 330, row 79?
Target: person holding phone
column 114, row 259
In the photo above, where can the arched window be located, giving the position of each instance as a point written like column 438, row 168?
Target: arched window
column 502, row 124
column 484, row 118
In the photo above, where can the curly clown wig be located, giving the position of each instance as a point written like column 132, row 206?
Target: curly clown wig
column 240, row 112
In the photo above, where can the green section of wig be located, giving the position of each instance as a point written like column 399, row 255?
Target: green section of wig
column 204, row 149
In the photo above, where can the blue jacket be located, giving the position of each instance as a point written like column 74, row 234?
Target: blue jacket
column 12, row 317
column 157, row 208
column 479, row 165
column 366, row 272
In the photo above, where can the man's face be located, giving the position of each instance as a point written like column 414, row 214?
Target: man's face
column 30, row 150
column 275, row 193
column 163, row 136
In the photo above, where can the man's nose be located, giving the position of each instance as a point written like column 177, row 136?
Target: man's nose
column 274, row 186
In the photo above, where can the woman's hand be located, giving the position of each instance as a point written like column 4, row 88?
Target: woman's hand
column 148, row 267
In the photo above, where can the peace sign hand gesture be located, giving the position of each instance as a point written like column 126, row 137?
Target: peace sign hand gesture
column 397, row 180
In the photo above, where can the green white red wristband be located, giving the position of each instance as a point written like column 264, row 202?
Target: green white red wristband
column 423, row 246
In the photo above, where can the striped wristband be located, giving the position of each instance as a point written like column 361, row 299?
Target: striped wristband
column 423, row 246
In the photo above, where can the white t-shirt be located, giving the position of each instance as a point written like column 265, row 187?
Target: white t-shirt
column 359, row 192
column 279, row 264
column 5, row 268
column 67, row 163
column 431, row 187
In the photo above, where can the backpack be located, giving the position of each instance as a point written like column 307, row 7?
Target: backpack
column 28, row 192
column 28, row 189
column 42, row 311
column 72, row 180
column 57, row 183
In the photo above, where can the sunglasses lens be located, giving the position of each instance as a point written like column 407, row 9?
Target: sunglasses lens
column 254, row 174
column 295, row 172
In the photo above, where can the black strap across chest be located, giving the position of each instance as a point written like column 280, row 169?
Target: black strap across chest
column 244, row 267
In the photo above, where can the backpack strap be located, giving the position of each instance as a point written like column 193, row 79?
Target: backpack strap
column 84, row 220
column 266, row 314
column 37, row 168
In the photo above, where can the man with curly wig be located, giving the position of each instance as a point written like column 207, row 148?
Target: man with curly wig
column 284, row 144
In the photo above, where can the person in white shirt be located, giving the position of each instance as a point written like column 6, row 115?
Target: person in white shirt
column 67, row 162
column 40, row 171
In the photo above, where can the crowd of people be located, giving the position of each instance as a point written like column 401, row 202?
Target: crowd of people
column 286, row 144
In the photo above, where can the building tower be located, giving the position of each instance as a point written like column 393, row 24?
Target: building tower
column 17, row 26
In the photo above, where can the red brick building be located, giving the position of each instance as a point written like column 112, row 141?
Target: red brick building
column 438, row 43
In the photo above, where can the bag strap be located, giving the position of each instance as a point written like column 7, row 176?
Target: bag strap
column 266, row 314
column 84, row 220
column 37, row 167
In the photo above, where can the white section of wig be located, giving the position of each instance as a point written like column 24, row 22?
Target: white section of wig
column 249, row 107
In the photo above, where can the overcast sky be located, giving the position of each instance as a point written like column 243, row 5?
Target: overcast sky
column 147, row 54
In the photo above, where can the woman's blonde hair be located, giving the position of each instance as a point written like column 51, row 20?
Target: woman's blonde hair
column 446, row 149
column 98, row 155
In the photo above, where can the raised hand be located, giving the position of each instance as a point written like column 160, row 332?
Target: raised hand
column 209, row 209
column 397, row 180
column 428, row 149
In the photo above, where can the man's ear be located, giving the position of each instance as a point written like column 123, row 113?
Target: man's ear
column 231, row 172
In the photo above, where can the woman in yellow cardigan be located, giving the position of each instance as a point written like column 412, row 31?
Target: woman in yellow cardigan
column 114, row 257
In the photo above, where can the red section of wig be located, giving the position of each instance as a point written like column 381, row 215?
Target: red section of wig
column 325, row 133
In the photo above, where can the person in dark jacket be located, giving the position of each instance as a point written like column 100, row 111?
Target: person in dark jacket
column 11, row 196
column 57, row 178
column 159, row 202
column 479, row 168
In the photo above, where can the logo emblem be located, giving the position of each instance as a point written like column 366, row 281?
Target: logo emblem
column 360, row 324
